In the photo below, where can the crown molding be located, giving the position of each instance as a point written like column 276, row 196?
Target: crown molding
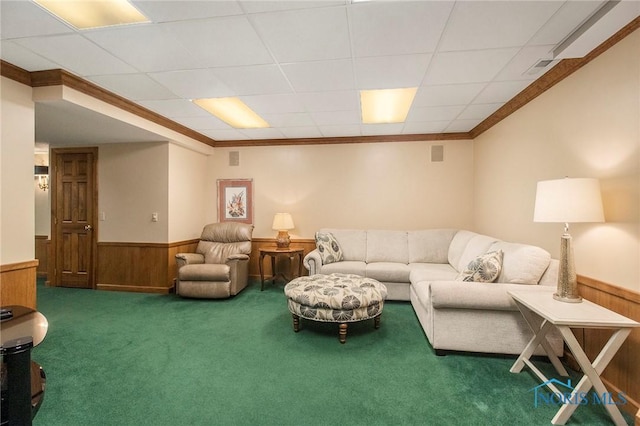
column 555, row 75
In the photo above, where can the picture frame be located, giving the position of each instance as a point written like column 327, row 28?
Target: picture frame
column 235, row 200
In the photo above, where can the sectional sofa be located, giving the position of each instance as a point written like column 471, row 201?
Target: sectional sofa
column 427, row 268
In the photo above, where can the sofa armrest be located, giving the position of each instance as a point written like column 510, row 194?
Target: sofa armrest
column 481, row 296
column 189, row 259
column 313, row 262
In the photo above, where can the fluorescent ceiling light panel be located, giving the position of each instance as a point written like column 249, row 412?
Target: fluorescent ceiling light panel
column 84, row 14
column 386, row 106
column 232, row 111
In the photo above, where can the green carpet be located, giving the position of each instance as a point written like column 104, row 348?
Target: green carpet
column 138, row 359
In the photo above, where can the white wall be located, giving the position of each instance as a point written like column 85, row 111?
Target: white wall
column 586, row 126
column 373, row 185
column 42, row 200
column 132, row 184
column 17, row 138
column 188, row 193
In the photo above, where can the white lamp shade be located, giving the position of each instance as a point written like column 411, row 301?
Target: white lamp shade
column 568, row 200
column 282, row 222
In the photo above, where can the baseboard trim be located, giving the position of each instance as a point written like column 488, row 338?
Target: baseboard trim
column 134, row 288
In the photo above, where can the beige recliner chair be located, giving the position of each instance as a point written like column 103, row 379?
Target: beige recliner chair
column 220, row 266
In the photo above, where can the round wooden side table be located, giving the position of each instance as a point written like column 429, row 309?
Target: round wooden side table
column 274, row 252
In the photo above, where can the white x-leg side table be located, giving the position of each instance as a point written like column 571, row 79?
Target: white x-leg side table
column 542, row 312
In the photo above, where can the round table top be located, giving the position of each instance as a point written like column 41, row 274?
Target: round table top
column 24, row 322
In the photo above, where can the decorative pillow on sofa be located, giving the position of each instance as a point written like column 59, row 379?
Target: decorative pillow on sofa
column 328, row 247
column 484, row 268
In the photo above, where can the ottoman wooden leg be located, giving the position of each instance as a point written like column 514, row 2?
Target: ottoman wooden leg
column 376, row 321
column 342, row 334
column 296, row 322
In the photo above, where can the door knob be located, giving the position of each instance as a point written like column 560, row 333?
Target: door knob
column 88, row 227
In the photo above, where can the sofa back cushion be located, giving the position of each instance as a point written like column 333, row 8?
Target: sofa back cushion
column 521, row 263
column 466, row 246
column 387, row 246
column 430, row 246
column 353, row 242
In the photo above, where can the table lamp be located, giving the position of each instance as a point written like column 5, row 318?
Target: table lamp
column 282, row 222
column 568, row 200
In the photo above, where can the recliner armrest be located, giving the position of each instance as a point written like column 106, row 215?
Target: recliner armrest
column 189, row 259
column 238, row 256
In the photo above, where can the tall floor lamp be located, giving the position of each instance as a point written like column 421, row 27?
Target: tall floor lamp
column 568, row 200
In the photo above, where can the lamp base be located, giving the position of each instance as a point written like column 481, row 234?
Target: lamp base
column 283, row 240
column 567, row 299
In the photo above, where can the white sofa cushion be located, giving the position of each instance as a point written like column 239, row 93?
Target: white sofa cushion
column 430, row 246
column 431, row 272
column 345, row 267
column 522, row 263
column 353, row 242
column 388, row 272
column 476, row 246
column 387, row 246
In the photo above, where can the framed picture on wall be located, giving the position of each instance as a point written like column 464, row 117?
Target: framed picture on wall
column 235, row 200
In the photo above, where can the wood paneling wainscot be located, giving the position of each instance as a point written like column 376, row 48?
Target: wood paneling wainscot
column 18, row 284
column 623, row 373
column 42, row 254
column 139, row 267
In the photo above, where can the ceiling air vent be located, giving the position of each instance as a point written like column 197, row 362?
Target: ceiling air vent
column 539, row 66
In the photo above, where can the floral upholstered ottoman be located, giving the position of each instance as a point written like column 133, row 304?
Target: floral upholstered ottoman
column 340, row 298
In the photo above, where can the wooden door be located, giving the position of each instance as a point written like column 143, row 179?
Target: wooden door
column 73, row 219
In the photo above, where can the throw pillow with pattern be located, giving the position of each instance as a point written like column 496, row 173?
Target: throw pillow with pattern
column 328, row 247
column 483, row 269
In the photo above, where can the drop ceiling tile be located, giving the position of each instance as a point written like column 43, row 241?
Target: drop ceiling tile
column 301, row 132
column 495, row 24
column 565, row 21
column 133, row 86
column 77, row 54
column 268, row 133
column 27, row 19
column 419, row 127
column 16, row 54
column 224, row 135
column 193, row 84
column 336, row 131
column 395, row 28
column 220, row 42
column 260, row 6
column 441, row 113
column 462, row 125
column 327, row 118
column 330, row 101
column 446, row 95
column 468, row 67
column 200, row 123
column 149, row 48
column 253, row 80
column 500, row 91
column 479, row 111
column 320, row 76
column 173, row 108
column 519, row 66
column 305, row 35
column 381, row 129
column 390, row 72
column 166, row 11
column 291, row 119
column 277, row 103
